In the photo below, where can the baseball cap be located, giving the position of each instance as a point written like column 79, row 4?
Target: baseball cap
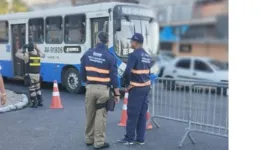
column 30, row 47
column 138, row 37
column 103, row 36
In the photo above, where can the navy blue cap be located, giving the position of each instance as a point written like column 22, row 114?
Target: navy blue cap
column 103, row 37
column 138, row 37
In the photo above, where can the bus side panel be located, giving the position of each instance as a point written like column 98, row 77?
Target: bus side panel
column 119, row 62
column 53, row 71
column 7, row 68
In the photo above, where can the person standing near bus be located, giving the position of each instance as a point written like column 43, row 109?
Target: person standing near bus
column 32, row 59
column 2, row 88
column 99, row 72
column 137, row 76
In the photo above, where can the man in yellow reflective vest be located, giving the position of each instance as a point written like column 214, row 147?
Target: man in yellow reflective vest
column 137, row 77
column 32, row 59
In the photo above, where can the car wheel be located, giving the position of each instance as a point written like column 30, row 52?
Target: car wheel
column 72, row 81
column 169, row 84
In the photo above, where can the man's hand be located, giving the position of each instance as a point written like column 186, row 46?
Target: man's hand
column 128, row 88
column 3, row 99
column 117, row 99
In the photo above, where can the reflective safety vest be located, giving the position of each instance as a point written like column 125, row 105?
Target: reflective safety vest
column 103, row 74
column 140, row 73
column 98, row 66
column 33, row 66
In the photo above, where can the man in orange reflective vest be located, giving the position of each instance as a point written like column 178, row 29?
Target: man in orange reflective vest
column 99, row 71
column 137, row 76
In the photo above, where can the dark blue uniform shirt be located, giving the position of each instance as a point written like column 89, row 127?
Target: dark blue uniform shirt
column 98, row 66
column 137, row 72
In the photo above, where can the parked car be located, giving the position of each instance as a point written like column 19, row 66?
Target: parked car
column 163, row 59
column 196, row 69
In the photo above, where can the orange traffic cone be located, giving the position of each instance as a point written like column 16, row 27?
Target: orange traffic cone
column 56, row 102
column 148, row 119
column 124, row 112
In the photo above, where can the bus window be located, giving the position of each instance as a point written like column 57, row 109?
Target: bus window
column 75, row 29
column 98, row 24
column 54, row 30
column 36, row 34
column 3, row 32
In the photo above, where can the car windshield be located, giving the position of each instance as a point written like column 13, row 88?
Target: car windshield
column 218, row 65
column 128, row 28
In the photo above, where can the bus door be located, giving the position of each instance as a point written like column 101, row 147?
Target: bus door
column 98, row 24
column 18, row 35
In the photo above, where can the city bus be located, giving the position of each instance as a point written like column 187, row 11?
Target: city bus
column 64, row 34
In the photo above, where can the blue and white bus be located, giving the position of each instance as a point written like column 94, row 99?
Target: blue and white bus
column 64, row 34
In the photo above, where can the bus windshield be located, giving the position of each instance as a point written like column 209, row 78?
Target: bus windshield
column 128, row 28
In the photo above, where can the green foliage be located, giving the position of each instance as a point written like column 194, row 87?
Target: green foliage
column 3, row 6
column 17, row 6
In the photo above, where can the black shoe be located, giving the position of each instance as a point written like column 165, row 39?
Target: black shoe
column 33, row 102
column 40, row 104
column 138, row 142
column 40, row 100
column 125, row 142
column 106, row 145
column 89, row 144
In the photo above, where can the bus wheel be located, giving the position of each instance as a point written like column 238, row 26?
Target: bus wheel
column 72, row 81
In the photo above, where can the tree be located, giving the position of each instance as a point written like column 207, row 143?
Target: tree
column 3, row 6
column 18, row 6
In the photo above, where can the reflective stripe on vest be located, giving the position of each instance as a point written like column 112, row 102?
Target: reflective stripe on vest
column 140, row 84
column 98, row 79
column 140, row 71
column 35, row 61
column 98, row 70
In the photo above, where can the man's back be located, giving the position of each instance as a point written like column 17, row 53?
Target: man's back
column 99, row 71
column 140, row 72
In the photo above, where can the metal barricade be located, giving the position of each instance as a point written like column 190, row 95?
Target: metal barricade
column 202, row 105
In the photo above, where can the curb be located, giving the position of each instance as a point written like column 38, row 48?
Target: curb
column 17, row 106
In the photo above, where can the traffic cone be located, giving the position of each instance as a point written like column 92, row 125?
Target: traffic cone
column 148, row 119
column 56, row 102
column 124, row 112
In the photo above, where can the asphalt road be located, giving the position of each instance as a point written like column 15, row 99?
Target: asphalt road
column 49, row 129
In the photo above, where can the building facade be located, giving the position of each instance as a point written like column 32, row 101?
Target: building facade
column 202, row 33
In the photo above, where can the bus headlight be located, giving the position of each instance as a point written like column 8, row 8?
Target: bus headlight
column 155, row 69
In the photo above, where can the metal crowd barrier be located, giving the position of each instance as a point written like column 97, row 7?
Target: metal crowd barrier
column 202, row 105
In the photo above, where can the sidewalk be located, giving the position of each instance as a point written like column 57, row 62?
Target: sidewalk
column 14, row 102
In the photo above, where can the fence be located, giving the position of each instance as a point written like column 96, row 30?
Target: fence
column 202, row 105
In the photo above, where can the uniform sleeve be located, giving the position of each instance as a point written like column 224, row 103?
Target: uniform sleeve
column 24, row 56
column 39, row 52
column 114, row 73
column 129, row 66
column 82, row 69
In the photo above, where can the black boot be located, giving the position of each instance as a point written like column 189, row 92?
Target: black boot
column 33, row 102
column 40, row 100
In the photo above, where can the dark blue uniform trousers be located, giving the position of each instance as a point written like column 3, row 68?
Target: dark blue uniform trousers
column 136, row 111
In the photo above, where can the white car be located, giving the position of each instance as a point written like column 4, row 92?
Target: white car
column 196, row 69
column 163, row 60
